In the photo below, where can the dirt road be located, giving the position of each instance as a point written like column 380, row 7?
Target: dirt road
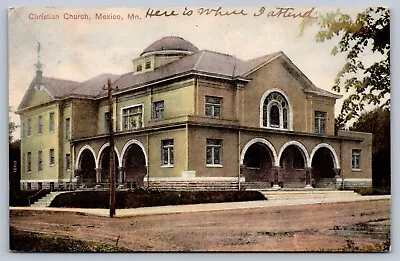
column 286, row 228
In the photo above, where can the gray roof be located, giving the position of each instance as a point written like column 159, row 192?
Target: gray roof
column 58, row 87
column 170, row 43
column 93, row 86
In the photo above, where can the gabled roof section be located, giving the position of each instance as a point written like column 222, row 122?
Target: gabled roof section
column 54, row 87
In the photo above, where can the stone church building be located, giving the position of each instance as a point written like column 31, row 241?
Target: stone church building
column 186, row 118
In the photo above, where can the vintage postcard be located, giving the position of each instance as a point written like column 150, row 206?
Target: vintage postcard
column 199, row 129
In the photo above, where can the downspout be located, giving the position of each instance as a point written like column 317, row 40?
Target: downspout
column 147, row 163
column 341, row 162
column 239, row 142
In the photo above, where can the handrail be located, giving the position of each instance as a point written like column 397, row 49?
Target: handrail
column 37, row 193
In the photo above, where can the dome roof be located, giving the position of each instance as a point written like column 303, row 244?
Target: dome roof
column 170, row 43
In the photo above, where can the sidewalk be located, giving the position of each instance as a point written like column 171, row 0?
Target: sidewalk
column 206, row 207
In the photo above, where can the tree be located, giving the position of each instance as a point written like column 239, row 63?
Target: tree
column 377, row 122
column 11, row 128
column 365, row 83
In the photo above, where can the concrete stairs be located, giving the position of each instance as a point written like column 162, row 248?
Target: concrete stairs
column 46, row 200
column 194, row 186
column 294, row 194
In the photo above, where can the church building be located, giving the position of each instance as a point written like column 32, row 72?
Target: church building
column 185, row 118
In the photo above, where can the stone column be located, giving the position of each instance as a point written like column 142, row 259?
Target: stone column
column 308, row 178
column 337, row 177
column 98, row 175
column 121, row 174
column 276, row 177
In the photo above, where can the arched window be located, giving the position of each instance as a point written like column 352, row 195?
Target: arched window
column 275, row 111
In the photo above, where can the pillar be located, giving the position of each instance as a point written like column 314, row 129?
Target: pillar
column 308, row 178
column 121, row 174
column 276, row 177
column 98, row 175
column 337, row 177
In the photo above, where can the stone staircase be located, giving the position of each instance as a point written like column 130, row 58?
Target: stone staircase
column 46, row 200
column 293, row 194
column 194, row 186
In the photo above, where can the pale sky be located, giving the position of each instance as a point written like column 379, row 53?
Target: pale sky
column 79, row 49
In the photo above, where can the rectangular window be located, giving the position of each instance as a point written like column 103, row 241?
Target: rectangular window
column 139, row 68
column 28, row 127
column 40, row 160
column 167, row 152
column 106, row 122
column 158, row 110
column 355, row 159
column 67, row 128
column 213, row 106
column 132, row 118
column 29, row 162
column 40, row 124
column 320, row 119
column 213, row 152
column 68, row 161
column 51, row 121
column 148, row 65
column 51, row 157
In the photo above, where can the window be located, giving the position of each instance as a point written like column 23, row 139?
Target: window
column 132, row 118
column 213, row 106
column 213, row 152
column 40, row 161
column 320, row 118
column 29, row 162
column 51, row 121
column 275, row 111
column 355, row 159
column 139, row 68
column 67, row 128
column 51, row 157
column 29, row 186
column 148, row 65
column 167, row 152
column 158, row 110
column 106, row 122
column 40, row 124
column 28, row 127
column 68, row 161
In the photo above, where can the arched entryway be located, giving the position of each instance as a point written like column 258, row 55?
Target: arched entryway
column 257, row 160
column 104, row 165
column 134, row 165
column 325, row 167
column 293, row 163
column 86, row 165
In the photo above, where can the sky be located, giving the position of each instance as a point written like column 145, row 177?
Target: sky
column 81, row 49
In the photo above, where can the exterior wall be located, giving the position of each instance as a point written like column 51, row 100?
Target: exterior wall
column 35, row 142
column 66, row 147
column 219, row 89
column 38, row 96
column 197, row 152
column 84, row 118
column 322, row 104
column 142, row 61
column 176, row 98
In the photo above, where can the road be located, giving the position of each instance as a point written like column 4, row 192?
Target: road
column 313, row 227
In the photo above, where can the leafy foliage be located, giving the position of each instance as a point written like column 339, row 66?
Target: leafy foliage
column 365, row 83
column 11, row 128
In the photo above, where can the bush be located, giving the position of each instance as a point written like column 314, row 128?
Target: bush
column 373, row 191
column 21, row 199
column 149, row 198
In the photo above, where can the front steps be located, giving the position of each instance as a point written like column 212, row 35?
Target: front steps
column 317, row 193
column 46, row 200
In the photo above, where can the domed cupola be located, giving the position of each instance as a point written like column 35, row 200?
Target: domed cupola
column 162, row 52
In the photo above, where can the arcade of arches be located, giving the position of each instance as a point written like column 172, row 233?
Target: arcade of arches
column 132, row 171
column 291, row 170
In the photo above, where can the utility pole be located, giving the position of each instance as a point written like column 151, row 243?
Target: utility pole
column 111, row 142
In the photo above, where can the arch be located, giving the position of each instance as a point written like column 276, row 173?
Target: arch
column 103, row 147
column 78, row 157
column 126, row 147
column 258, row 140
column 336, row 162
column 264, row 96
column 298, row 145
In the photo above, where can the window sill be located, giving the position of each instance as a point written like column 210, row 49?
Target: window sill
column 51, row 165
column 68, row 169
column 167, row 166
column 214, row 166
column 253, row 168
column 356, row 170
